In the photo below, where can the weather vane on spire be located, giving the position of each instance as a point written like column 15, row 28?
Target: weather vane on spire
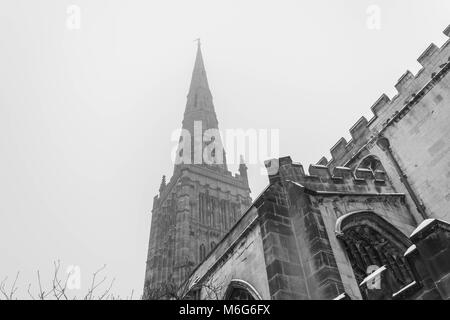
column 198, row 41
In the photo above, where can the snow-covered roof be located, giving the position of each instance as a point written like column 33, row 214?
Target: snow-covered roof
column 296, row 183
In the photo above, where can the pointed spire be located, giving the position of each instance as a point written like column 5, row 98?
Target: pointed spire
column 199, row 96
column 199, row 79
column 200, row 116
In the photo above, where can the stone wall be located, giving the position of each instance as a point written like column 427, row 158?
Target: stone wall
column 385, row 108
column 420, row 141
column 288, row 244
column 285, row 267
column 314, row 204
column 177, row 232
column 238, row 256
column 415, row 122
column 290, row 235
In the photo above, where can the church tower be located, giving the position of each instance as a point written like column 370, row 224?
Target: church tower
column 201, row 201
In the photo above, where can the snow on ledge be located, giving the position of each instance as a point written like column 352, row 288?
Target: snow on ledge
column 422, row 226
column 340, row 297
column 404, row 288
column 374, row 274
column 410, row 249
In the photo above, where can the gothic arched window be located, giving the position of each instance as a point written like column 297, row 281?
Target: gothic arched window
column 201, row 208
column 209, row 211
column 213, row 245
column 224, row 215
column 202, row 252
column 372, row 163
column 240, row 294
column 213, row 212
column 241, row 290
column 234, row 212
column 371, row 241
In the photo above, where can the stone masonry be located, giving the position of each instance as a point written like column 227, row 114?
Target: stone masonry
column 370, row 223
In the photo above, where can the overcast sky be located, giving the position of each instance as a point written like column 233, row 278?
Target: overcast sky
column 86, row 115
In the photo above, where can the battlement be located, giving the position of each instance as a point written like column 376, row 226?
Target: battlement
column 321, row 179
column 433, row 60
column 380, row 104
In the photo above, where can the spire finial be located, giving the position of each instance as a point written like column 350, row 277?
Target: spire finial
column 198, row 42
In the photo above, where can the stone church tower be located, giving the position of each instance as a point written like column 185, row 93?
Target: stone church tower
column 202, row 200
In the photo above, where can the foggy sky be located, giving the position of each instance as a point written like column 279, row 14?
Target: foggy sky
column 86, row 116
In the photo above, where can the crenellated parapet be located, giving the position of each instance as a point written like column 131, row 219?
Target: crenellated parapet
column 380, row 105
column 321, row 179
column 360, row 133
column 410, row 88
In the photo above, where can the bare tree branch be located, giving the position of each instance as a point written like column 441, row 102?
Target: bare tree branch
column 9, row 294
column 29, row 292
column 59, row 287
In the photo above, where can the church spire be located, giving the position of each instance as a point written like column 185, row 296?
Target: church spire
column 199, row 106
column 199, row 79
column 198, row 171
column 200, row 116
